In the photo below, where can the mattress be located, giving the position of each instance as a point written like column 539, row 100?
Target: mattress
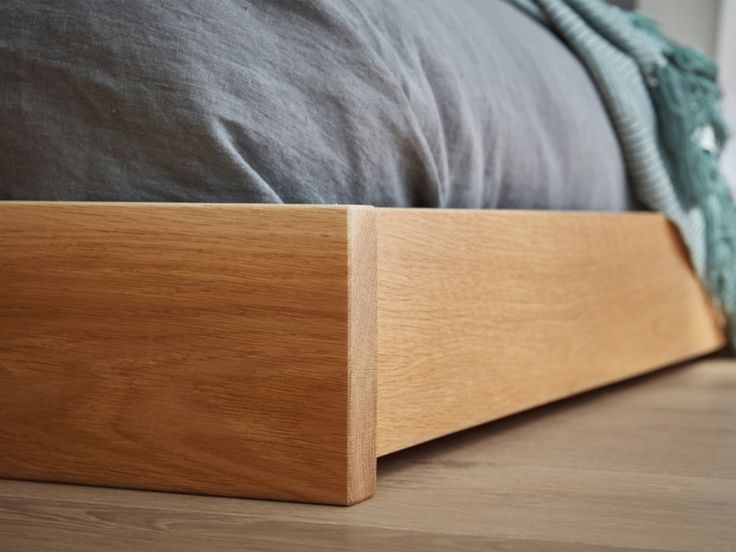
column 462, row 104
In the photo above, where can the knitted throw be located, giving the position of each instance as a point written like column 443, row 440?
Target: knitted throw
column 664, row 103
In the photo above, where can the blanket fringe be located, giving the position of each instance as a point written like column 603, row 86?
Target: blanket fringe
column 692, row 133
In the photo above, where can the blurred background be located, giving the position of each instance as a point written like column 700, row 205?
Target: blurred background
column 709, row 25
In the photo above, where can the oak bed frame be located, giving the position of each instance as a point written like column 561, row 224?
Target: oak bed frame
column 277, row 351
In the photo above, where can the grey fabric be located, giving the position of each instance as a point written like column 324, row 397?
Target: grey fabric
column 462, row 103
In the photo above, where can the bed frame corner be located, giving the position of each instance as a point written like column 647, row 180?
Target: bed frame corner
column 217, row 349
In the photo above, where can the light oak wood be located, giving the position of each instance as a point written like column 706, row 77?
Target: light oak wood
column 232, row 349
column 217, row 349
column 647, row 465
column 485, row 313
column 361, row 354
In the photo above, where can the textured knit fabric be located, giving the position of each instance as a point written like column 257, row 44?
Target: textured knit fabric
column 664, row 103
column 444, row 103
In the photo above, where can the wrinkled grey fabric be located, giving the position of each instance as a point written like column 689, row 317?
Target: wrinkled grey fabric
column 441, row 103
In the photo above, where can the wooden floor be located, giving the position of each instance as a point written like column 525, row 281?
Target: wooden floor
column 645, row 465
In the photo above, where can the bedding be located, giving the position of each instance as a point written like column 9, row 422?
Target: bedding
column 392, row 103
column 664, row 101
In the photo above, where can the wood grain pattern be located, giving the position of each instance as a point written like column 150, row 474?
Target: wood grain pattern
column 486, row 313
column 646, row 465
column 231, row 349
column 362, row 353
column 197, row 348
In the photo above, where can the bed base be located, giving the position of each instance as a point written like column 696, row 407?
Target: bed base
column 276, row 351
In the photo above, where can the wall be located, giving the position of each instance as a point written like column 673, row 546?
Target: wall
column 692, row 22
column 726, row 56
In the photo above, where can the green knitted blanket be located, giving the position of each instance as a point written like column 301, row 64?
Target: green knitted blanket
column 663, row 101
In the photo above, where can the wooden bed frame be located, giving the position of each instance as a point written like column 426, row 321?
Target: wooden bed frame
column 276, row 351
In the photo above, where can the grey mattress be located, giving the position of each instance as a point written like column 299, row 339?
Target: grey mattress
column 442, row 103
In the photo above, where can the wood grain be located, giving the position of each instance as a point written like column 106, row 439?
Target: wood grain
column 196, row 348
column 646, row 465
column 362, row 353
column 485, row 313
column 232, row 349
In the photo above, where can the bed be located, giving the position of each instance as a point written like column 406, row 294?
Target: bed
column 173, row 319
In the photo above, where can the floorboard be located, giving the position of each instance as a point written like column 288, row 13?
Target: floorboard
column 646, row 465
